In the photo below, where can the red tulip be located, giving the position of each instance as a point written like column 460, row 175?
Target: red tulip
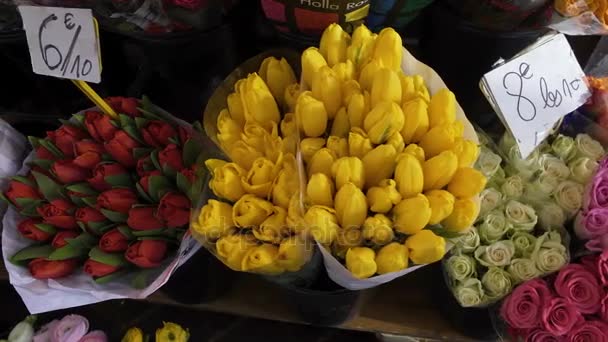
column 147, row 253
column 43, row 153
column 144, row 181
column 144, row 165
column 98, row 269
column 119, row 200
column 189, row 174
column 68, row 172
column 58, row 213
column 101, row 171
column 60, row 239
column 52, row 269
column 28, row 229
column 120, row 147
column 65, row 137
column 113, row 241
column 88, row 214
column 124, row 105
column 184, row 134
column 88, row 154
column 143, row 218
column 171, row 156
column 99, row 125
column 157, row 133
column 174, row 210
column 17, row 190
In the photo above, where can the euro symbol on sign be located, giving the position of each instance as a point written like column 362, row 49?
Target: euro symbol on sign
column 67, row 20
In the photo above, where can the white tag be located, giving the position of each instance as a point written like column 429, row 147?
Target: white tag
column 532, row 91
column 62, row 42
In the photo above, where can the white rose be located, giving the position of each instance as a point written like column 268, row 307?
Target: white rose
column 563, row 147
column 523, row 270
column 469, row 293
column 513, row 187
column 525, row 168
column 461, row 267
column 550, row 215
column 524, row 244
column 569, row 196
column 493, row 227
column 586, row 146
column 490, row 199
column 520, row 217
column 540, row 189
column 506, row 143
column 582, row 169
column 469, row 241
column 549, row 253
column 553, row 166
column 488, row 162
column 496, row 283
column 497, row 254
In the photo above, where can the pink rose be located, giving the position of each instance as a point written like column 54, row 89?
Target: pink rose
column 602, row 267
column 589, row 331
column 580, row 287
column 604, row 308
column 592, row 223
column 597, row 194
column 590, row 262
column 559, row 316
column 522, row 309
column 597, row 244
column 539, row 335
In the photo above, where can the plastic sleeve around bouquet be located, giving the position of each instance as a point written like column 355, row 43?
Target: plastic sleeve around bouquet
column 580, row 17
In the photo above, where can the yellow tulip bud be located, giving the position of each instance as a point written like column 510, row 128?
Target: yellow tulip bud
column 294, row 252
column 409, row 176
column 321, row 162
column 233, row 248
column 341, row 124
column 260, row 177
column 226, row 181
column 322, row 223
column 360, row 261
column 134, row 334
column 421, row 90
column 288, row 125
column 415, row 151
column 412, row 88
column 411, row 215
column 327, row 88
column 310, row 146
column 467, row 182
column 416, row 122
column 262, row 259
column 392, row 258
column 229, row 131
column 214, row 220
column 349, row 88
column 379, row 164
column 438, row 139
column 274, row 147
column 358, row 143
column 338, row 145
column 254, row 135
column 467, row 152
column 243, row 154
column 295, row 214
column 289, row 145
column 312, row 60
column 361, row 46
column 439, row 170
column 368, row 72
column 290, row 97
column 463, row 216
column 258, row 103
column 382, row 121
column 442, row 205
column 348, row 169
column 378, row 229
column 320, row 190
column 345, row 70
column 351, row 206
column 287, row 182
column 211, row 164
column 381, row 198
column 251, row 211
column 389, row 49
column 273, row 228
column 348, row 238
column 442, row 108
column 396, row 140
column 385, row 87
column 333, row 44
column 277, row 74
column 425, row 247
column 357, row 109
column 311, row 115
column 235, row 107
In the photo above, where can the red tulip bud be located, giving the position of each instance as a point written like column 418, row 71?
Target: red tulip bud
column 147, row 253
column 52, row 269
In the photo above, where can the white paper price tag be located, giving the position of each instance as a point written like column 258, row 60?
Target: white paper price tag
column 532, row 91
column 62, row 42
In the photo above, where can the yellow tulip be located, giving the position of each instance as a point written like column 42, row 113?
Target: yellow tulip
column 262, row 259
column 413, row 87
column 467, row 152
column 320, row 190
column 383, row 197
column 171, row 332
column 321, row 162
column 251, row 211
column 421, row 90
column 214, row 220
column 323, row 223
column 389, row 49
column 358, row 143
column 442, row 108
column 415, row 151
column 416, row 122
column 226, row 181
column 258, row 103
column 287, row 182
column 425, row 247
column 348, row 169
column 338, row 145
column 211, row 164
column 273, row 228
column 361, row 46
column 351, row 206
column 295, row 214
column 396, row 140
column 366, row 77
column 294, row 252
column 327, row 88
column 311, row 115
column 438, row 139
column 345, row 70
column 290, row 97
column 134, row 334
column 229, row 131
column 442, row 205
column 378, row 229
column 333, row 44
column 463, row 216
column 411, row 215
column 349, row 88
column 243, row 154
column 360, row 261
column 288, row 125
column 467, row 182
column 274, row 147
column 357, row 109
column 392, row 258
column 277, row 74
column 233, row 248
column 255, row 134
column 382, row 121
column 348, row 238
column 235, row 107
column 379, row 164
column 385, row 87
column 341, row 124
column 312, row 60
column 310, row 146
column 260, row 177
column 439, row 170
column 409, row 176
column 289, row 144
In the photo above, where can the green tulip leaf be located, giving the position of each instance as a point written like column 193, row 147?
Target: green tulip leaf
column 112, row 259
column 134, row 133
column 6, row 200
column 154, row 159
column 32, row 252
column 198, row 126
column 48, row 187
column 143, row 194
column 82, row 226
column 79, row 119
column 152, row 232
column 140, row 152
column 149, row 115
column 78, row 201
column 140, row 280
column 123, row 180
column 169, row 171
column 90, row 201
column 158, row 186
column 126, row 231
column 183, row 184
column 107, row 158
column 114, row 216
column 83, row 188
column 126, row 120
column 180, row 234
column 24, row 201
column 141, row 122
column 191, row 152
column 47, row 228
column 174, row 140
column 31, row 209
column 99, row 225
column 440, row 231
column 34, row 141
column 51, row 147
column 45, row 164
column 83, row 241
column 196, row 189
column 110, row 277
column 24, row 180
column 115, row 123
column 68, row 252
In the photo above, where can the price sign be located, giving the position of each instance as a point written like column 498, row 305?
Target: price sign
column 63, row 42
column 535, row 89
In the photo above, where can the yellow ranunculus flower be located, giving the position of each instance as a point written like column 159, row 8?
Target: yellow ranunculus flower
column 413, row 87
column 341, row 125
column 229, row 131
column 409, row 176
column 389, row 49
column 251, row 211
column 310, row 146
column 235, row 107
column 311, row 115
column 439, row 138
column 382, row 121
column 320, row 190
column 243, row 154
column 312, row 60
column 226, row 181
column 345, row 70
column 379, row 164
column 467, row 152
column 294, row 252
column 232, row 249
column 442, row 205
column 327, row 88
column 287, row 182
column 361, row 46
column 273, row 228
column 396, row 140
column 262, row 259
column 439, row 170
column 323, row 223
column 351, row 206
column 348, row 169
column 442, row 108
column 357, row 109
column 415, row 151
column 463, row 216
column 321, row 162
column 366, row 77
column 258, row 103
column 411, row 215
column 416, row 122
column 385, row 87
column 134, row 334
column 333, row 44
column 290, row 97
column 381, row 198
column 261, row 176
column 467, row 182
column 214, row 220
column 360, row 261
column 425, row 247
column 277, row 74
column 392, row 258
column 378, row 229
column 349, row 88
column 295, row 214
column 171, row 332
column 338, row 145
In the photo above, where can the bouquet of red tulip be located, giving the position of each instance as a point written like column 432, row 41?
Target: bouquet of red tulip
column 112, row 195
